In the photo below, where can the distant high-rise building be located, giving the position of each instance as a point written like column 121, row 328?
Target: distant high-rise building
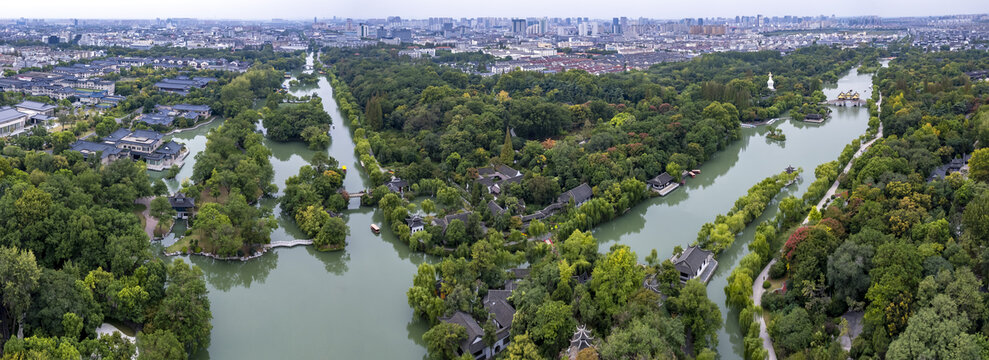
column 616, row 28
column 365, row 30
column 543, row 26
column 404, row 34
column 519, row 26
column 350, row 24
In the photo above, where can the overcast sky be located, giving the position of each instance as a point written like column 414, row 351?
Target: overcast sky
column 306, row 9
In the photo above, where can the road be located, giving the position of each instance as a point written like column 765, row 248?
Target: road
column 757, row 292
column 757, row 289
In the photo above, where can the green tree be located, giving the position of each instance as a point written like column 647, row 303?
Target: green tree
column 522, row 348
column 159, row 345
column 185, row 310
column 507, row 152
column 553, row 325
column 447, row 196
column 537, row 228
column 792, row 332
column 312, row 219
column 443, row 340
column 373, row 113
column 652, row 337
column 456, row 232
column 739, row 288
column 71, row 325
column 428, row 206
column 848, row 270
column 936, row 332
column 621, row 119
column 161, row 209
column 615, row 278
column 976, row 218
column 333, row 235
column 674, row 169
column 61, row 141
column 699, row 314
column 422, row 296
column 19, row 274
column 979, row 164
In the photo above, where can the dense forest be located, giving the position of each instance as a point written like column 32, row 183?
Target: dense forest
column 426, row 121
column 613, row 132
column 419, row 114
column 73, row 255
column 897, row 247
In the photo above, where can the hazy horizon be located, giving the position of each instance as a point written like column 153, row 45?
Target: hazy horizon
column 307, row 9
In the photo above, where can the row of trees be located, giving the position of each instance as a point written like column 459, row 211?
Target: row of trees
column 720, row 234
column 907, row 251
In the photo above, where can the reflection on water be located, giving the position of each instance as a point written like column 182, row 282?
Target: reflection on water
column 299, row 303
column 663, row 223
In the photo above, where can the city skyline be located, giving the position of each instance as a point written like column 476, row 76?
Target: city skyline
column 306, row 9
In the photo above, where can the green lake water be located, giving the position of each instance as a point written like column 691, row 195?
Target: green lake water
column 296, row 303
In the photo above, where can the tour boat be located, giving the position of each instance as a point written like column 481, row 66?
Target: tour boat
column 375, row 229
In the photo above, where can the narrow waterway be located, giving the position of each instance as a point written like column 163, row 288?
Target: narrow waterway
column 663, row 223
column 297, row 303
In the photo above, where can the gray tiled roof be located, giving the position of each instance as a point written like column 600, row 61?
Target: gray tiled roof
column 661, row 179
column 180, row 201
column 691, row 259
column 579, row 194
column 89, row 147
column 35, row 106
column 8, row 115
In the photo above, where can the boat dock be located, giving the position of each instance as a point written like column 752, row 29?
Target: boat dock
column 668, row 189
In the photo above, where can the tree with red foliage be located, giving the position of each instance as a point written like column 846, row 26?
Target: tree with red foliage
column 796, row 238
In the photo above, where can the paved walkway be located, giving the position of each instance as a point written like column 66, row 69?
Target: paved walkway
column 757, row 289
column 107, row 329
column 150, row 223
column 757, row 292
column 854, row 319
column 848, row 167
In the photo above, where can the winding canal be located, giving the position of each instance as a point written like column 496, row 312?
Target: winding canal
column 300, row 303
column 663, row 223
column 297, row 303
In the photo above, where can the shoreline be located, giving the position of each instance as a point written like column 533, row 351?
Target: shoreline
column 264, row 249
column 204, row 123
